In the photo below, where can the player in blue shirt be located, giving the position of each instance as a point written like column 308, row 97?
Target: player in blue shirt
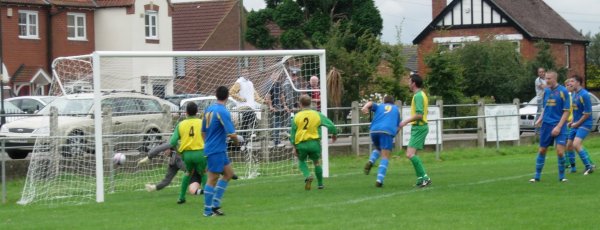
column 553, row 123
column 216, row 127
column 384, row 128
column 580, row 125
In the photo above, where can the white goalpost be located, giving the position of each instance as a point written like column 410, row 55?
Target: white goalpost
column 127, row 114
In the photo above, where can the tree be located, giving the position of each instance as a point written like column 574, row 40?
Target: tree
column 445, row 76
column 593, row 49
column 314, row 18
column 492, row 68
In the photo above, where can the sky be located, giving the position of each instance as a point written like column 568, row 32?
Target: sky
column 412, row 16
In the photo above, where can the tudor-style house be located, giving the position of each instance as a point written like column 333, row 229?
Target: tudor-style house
column 523, row 22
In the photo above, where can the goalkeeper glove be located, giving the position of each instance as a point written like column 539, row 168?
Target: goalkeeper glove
column 143, row 161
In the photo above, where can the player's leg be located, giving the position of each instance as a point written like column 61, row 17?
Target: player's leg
column 561, row 142
column 582, row 133
column 374, row 155
column 171, row 173
column 417, row 142
column 302, row 149
column 195, row 187
column 215, row 168
column 545, row 141
column 314, row 154
column 570, row 153
column 385, row 142
column 221, row 185
column 190, row 165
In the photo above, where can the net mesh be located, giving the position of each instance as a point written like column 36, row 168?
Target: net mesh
column 264, row 91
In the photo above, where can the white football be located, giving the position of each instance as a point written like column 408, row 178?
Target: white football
column 119, row 158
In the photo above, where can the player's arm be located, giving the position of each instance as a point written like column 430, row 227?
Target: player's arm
column 587, row 110
column 258, row 98
column 330, row 126
column 234, row 92
column 175, row 137
column 367, row 107
column 565, row 114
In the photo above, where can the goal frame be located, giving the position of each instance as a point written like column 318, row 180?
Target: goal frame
column 98, row 55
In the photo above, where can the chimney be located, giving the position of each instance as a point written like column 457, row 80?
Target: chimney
column 437, row 6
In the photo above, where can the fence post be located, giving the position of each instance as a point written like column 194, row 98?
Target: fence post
column 355, row 129
column 440, row 125
column 516, row 102
column 398, row 138
column 480, row 123
column 106, row 131
column 3, row 171
column 266, row 135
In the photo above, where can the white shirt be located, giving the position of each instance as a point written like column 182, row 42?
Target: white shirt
column 246, row 92
column 539, row 90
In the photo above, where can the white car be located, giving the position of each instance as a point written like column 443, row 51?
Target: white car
column 31, row 104
column 133, row 114
column 526, row 121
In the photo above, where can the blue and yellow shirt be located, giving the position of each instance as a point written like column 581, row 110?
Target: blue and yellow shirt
column 216, row 126
column 556, row 101
column 582, row 104
column 386, row 120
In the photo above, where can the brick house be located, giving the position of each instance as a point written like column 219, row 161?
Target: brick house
column 209, row 25
column 523, row 22
column 34, row 32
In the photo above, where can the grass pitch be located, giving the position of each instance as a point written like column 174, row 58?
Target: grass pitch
column 472, row 189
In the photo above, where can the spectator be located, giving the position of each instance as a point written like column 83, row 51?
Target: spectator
column 315, row 95
column 247, row 98
column 291, row 97
column 275, row 100
column 540, row 84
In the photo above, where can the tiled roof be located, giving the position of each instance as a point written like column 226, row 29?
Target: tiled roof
column 32, row 2
column 80, row 3
column 194, row 22
column 114, row 3
column 25, row 74
column 539, row 20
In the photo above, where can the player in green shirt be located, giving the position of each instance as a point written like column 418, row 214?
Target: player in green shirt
column 306, row 139
column 419, row 129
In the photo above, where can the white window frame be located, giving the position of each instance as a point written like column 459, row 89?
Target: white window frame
column 149, row 26
column 76, row 26
column 180, row 67
column 513, row 38
column 29, row 24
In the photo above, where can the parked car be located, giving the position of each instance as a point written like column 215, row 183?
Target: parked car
column 527, row 123
column 31, row 104
column 176, row 99
column 132, row 113
column 204, row 102
column 12, row 113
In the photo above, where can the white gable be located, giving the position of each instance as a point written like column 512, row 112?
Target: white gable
column 471, row 12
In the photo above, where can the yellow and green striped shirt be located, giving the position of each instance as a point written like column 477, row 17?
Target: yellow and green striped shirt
column 419, row 105
column 305, row 126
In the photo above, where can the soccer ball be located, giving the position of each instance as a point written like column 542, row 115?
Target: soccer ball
column 119, row 159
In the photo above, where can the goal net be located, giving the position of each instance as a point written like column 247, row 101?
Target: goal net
column 125, row 110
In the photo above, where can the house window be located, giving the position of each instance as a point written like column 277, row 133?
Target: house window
column 76, row 26
column 568, row 55
column 28, row 24
column 151, row 25
column 451, row 46
column 180, row 67
column 517, row 45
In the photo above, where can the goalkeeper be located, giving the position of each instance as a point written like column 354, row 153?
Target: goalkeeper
column 175, row 164
column 306, row 139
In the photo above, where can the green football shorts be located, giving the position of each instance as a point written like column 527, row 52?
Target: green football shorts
column 310, row 149
column 417, row 136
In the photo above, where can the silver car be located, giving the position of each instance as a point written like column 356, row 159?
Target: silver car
column 137, row 120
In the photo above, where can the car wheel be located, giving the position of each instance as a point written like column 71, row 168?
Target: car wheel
column 151, row 140
column 17, row 154
column 75, row 144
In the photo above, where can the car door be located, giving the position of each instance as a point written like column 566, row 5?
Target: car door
column 125, row 122
column 595, row 111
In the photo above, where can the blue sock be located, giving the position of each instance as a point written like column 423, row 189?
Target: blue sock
column 585, row 158
column 209, row 193
column 539, row 165
column 374, row 156
column 561, row 167
column 219, row 192
column 571, row 156
column 382, row 170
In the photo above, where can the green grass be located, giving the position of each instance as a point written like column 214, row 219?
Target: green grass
column 472, row 189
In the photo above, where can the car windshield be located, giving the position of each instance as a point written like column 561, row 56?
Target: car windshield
column 533, row 101
column 69, row 106
column 11, row 108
